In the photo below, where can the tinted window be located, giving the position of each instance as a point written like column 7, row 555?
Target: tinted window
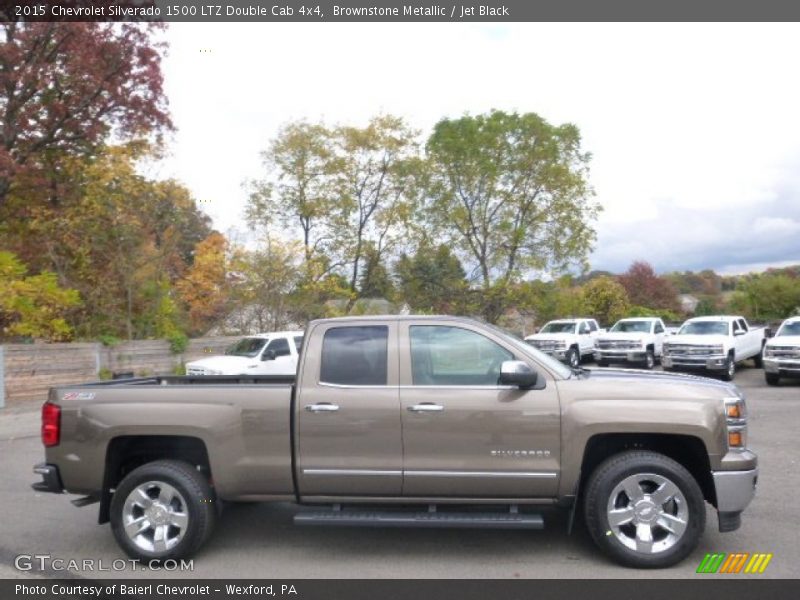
column 454, row 356
column 584, row 328
column 280, row 346
column 659, row 328
column 743, row 325
column 355, row 355
column 592, row 326
column 298, row 343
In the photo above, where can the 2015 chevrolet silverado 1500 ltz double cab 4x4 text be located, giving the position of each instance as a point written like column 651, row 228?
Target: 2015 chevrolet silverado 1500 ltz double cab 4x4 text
column 434, row 421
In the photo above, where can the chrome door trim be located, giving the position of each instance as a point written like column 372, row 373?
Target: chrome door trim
column 527, row 474
column 369, row 472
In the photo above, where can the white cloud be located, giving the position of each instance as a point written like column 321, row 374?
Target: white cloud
column 686, row 119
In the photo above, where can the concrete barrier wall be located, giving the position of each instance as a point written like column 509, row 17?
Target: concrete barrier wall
column 27, row 371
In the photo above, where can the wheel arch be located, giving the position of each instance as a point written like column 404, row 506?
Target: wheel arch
column 126, row 453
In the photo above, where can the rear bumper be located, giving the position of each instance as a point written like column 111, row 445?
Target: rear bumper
column 51, row 479
column 735, row 490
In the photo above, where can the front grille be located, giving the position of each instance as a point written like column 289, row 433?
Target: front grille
column 689, row 350
column 547, row 345
column 785, row 351
column 619, row 345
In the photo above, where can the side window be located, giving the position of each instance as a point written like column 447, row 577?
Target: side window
column 355, row 355
column 584, row 329
column 742, row 325
column 280, row 346
column 659, row 327
column 298, row 343
column 592, row 325
column 454, row 356
column 737, row 326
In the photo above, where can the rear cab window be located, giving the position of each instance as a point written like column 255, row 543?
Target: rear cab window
column 355, row 355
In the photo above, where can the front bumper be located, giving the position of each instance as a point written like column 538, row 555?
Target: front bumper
column 735, row 490
column 714, row 362
column 782, row 366
column 51, row 479
column 620, row 355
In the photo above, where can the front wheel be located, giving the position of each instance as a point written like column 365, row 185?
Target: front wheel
column 644, row 509
column 730, row 369
column 649, row 360
column 772, row 378
column 573, row 358
column 162, row 510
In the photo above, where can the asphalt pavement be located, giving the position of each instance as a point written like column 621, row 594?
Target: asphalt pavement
column 260, row 540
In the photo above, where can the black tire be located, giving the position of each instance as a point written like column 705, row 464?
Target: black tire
column 602, row 363
column 729, row 372
column 573, row 357
column 194, row 491
column 649, row 360
column 772, row 378
column 758, row 359
column 600, row 487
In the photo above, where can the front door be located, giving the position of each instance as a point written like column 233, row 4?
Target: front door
column 277, row 358
column 348, row 427
column 465, row 435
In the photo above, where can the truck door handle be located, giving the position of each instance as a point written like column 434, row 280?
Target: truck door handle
column 426, row 407
column 322, row 407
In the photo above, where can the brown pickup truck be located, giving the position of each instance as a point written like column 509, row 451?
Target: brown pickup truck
column 408, row 421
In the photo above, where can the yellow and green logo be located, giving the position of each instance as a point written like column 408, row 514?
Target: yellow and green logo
column 737, row 562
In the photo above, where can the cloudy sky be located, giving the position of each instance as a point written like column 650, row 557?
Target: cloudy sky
column 694, row 129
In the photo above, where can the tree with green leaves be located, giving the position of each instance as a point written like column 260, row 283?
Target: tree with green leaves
column 511, row 192
column 432, row 280
column 606, row 300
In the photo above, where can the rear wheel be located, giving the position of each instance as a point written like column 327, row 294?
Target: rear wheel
column 162, row 510
column 772, row 378
column 644, row 509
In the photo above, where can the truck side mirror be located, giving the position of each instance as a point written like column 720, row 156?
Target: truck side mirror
column 268, row 355
column 518, row 373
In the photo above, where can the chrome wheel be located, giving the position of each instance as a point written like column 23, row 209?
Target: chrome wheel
column 155, row 516
column 649, row 360
column 647, row 513
column 574, row 358
column 731, row 368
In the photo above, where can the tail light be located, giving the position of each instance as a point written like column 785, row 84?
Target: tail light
column 51, row 424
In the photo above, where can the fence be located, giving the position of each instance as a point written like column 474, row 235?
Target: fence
column 27, row 371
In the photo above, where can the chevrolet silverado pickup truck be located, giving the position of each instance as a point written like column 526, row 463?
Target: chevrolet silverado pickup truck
column 714, row 344
column 782, row 352
column 408, row 421
column 568, row 340
column 636, row 340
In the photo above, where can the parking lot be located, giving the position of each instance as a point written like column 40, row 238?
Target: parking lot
column 260, row 541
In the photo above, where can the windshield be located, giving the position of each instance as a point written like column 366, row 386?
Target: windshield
column 789, row 329
column 248, row 347
column 556, row 327
column 632, row 326
column 540, row 357
column 704, row 328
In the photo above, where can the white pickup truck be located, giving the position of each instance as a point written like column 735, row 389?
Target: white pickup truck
column 782, row 353
column 715, row 344
column 273, row 353
column 568, row 340
column 638, row 340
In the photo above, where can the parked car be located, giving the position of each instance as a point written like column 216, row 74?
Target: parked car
column 568, row 340
column 262, row 354
column 408, row 421
column 637, row 340
column 782, row 352
column 714, row 344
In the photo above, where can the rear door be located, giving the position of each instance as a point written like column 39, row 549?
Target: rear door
column 465, row 435
column 348, row 429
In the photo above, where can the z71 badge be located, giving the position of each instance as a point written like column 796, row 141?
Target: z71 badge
column 78, row 396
